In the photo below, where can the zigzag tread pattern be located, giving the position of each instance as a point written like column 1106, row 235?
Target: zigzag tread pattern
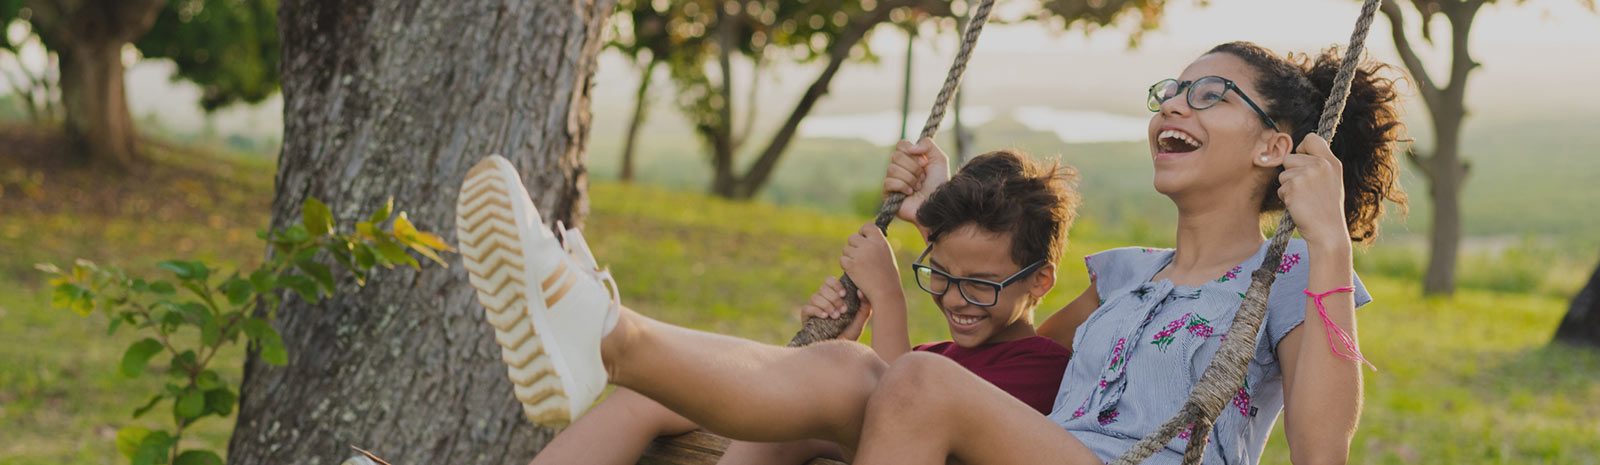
column 487, row 233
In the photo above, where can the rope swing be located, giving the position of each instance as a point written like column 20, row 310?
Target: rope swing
column 1225, row 375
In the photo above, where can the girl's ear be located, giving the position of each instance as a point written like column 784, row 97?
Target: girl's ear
column 1273, row 148
column 1043, row 280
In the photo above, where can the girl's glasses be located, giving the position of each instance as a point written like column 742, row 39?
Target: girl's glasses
column 982, row 293
column 1203, row 93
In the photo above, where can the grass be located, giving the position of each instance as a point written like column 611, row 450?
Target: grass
column 1463, row 380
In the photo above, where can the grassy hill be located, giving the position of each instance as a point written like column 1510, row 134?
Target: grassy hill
column 1462, row 380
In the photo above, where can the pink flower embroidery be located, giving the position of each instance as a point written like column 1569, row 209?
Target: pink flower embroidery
column 1289, row 261
column 1108, row 417
column 1231, row 275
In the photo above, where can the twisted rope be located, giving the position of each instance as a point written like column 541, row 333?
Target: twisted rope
column 820, row 329
column 1225, row 375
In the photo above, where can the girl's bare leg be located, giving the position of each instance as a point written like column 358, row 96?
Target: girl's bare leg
column 744, row 389
column 928, row 410
column 614, row 432
column 779, row 453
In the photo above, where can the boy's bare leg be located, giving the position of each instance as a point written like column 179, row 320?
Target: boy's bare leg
column 779, row 453
column 614, row 432
column 744, row 389
column 929, row 409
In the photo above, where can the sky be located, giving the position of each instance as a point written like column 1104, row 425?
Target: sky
column 1540, row 57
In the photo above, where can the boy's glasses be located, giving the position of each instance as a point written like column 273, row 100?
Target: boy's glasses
column 1203, row 93
column 982, row 293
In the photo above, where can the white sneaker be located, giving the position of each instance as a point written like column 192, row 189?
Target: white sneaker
column 549, row 305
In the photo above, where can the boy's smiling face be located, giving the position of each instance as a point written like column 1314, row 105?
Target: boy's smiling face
column 972, row 252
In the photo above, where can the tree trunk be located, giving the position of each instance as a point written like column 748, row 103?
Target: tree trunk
column 88, row 36
column 396, row 97
column 641, row 103
column 1444, row 170
column 1582, row 324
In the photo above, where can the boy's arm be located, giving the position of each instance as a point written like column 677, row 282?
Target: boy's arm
column 1062, row 325
column 870, row 263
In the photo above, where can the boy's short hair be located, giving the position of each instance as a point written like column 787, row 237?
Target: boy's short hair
column 1006, row 191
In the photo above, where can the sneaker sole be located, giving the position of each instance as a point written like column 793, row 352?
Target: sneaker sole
column 492, row 249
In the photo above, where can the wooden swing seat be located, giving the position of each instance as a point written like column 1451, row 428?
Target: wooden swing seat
column 696, row 448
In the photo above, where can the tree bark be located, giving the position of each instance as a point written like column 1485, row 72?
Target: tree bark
column 401, row 98
column 1582, row 323
column 641, row 103
column 1444, row 169
column 88, row 36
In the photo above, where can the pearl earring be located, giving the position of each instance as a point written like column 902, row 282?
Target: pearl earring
column 1263, row 159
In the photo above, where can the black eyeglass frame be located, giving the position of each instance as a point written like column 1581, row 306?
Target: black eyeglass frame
column 917, row 267
column 1185, row 87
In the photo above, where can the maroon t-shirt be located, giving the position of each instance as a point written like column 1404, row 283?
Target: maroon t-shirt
column 1029, row 368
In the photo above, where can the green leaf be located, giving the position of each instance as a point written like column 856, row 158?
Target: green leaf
column 220, row 401
column 153, row 449
column 238, row 290
column 318, row 271
column 183, row 364
column 84, row 305
column 210, row 332
column 129, row 437
column 394, row 253
column 198, row 457
column 365, row 257
column 256, row 328
column 155, row 399
column 367, row 230
column 263, row 280
column 272, row 350
column 295, row 234
column 300, row 285
column 186, row 270
column 115, row 323
column 138, row 355
column 208, row 379
column 163, row 288
column 192, row 404
column 318, row 218
column 383, row 212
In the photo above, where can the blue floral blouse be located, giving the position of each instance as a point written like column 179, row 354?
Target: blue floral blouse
column 1136, row 358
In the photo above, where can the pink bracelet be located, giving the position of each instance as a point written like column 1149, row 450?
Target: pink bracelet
column 1349, row 342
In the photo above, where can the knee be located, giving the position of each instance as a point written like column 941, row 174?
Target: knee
column 915, row 382
column 853, row 358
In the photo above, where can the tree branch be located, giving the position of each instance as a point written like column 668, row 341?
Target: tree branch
column 1419, row 74
column 838, row 52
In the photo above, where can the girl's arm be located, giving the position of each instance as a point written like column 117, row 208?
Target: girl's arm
column 1062, row 325
column 1321, row 390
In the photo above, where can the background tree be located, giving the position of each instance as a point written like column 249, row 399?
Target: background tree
column 641, row 33
column 1582, row 323
column 398, row 97
column 1444, row 168
column 227, row 47
column 35, row 86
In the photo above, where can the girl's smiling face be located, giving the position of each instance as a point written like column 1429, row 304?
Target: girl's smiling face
column 971, row 252
column 1203, row 152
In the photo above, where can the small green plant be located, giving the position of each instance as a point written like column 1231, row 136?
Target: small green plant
column 214, row 312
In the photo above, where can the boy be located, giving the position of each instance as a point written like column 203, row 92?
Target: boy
column 995, row 232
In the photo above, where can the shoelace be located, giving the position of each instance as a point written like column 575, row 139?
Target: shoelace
column 578, row 249
column 1333, row 329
